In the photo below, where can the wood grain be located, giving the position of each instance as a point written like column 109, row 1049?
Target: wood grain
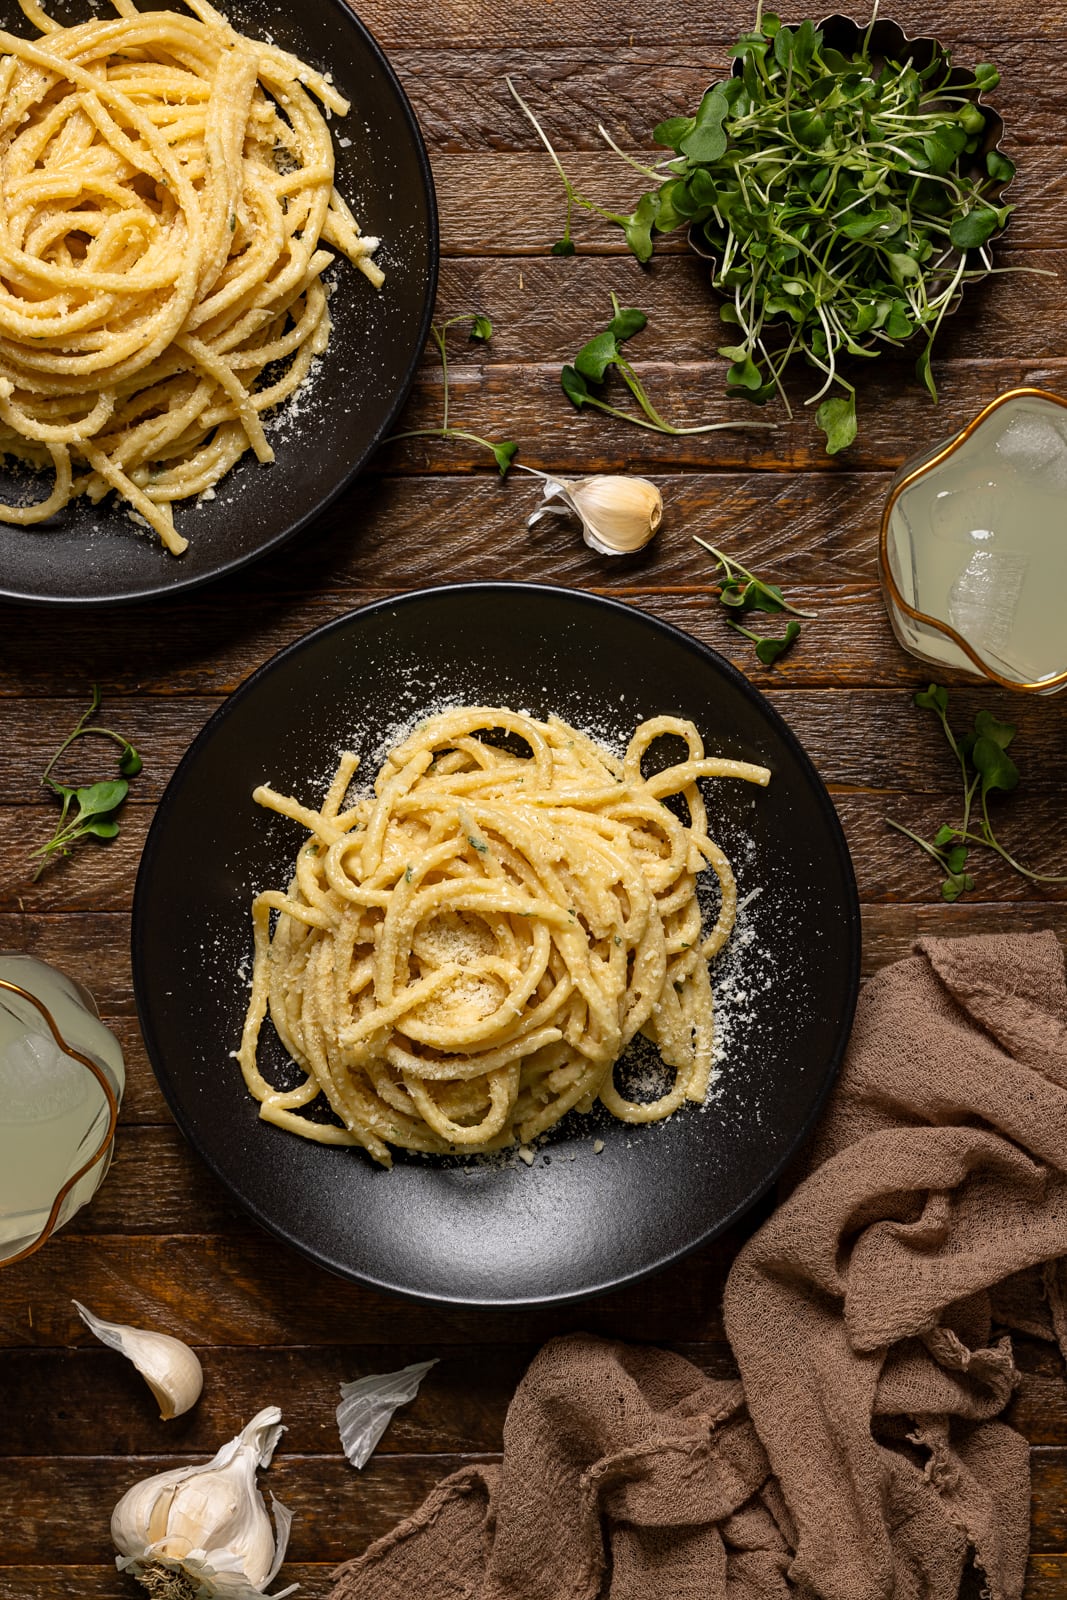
column 337, row 1511
column 164, row 1244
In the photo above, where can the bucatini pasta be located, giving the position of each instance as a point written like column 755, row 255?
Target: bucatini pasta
column 166, row 191
column 464, row 953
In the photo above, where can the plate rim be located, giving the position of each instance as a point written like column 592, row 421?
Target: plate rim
column 182, row 586
column 852, row 919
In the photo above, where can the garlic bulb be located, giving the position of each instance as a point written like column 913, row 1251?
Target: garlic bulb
column 199, row 1532
column 618, row 514
column 367, row 1407
column 170, row 1369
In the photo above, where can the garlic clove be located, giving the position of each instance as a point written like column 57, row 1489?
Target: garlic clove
column 619, row 514
column 170, row 1369
column 368, row 1404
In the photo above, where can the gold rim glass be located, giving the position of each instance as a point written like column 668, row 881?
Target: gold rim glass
column 891, row 589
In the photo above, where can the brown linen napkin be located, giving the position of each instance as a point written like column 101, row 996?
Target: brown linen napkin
column 858, row 1458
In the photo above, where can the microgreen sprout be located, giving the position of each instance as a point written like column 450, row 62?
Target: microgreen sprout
column 740, row 591
column 844, row 203
column 94, row 806
column 504, row 451
column 602, row 352
column 565, row 245
column 985, row 769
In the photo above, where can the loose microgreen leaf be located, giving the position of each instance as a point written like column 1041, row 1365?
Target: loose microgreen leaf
column 935, row 698
column 956, row 858
column 504, row 454
column 769, row 650
column 741, row 591
column 639, row 224
column 745, row 374
column 101, row 829
column 479, row 328
column 707, row 140
column 600, row 354
column 595, row 357
column 626, row 322
column 837, row 419
column 994, row 766
column 985, row 769
column 100, row 798
column 574, row 387
column 563, row 247
column 986, row 726
column 86, row 809
column 924, row 371
column 671, row 132
column 955, row 885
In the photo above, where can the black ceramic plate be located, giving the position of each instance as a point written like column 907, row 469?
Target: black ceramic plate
column 93, row 554
column 489, row 1232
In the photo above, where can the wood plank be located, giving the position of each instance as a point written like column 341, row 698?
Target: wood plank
column 526, row 403
column 988, row 26
column 337, row 1511
column 858, row 738
column 462, row 100
column 850, row 645
column 544, row 309
column 1046, row 1579
column 475, row 223
column 460, row 1407
column 814, row 532
column 891, row 932
column 90, row 944
column 104, row 1583
column 888, row 866
column 93, row 945
column 252, row 1292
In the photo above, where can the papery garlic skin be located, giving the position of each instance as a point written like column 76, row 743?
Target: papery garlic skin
column 209, row 1521
column 171, row 1370
column 619, row 514
column 367, row 1407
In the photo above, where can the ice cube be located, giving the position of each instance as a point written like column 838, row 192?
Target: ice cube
column 983, row 600
column 1037, row 446
column 964, row 515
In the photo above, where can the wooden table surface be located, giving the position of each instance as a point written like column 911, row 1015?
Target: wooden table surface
column 162, row 1245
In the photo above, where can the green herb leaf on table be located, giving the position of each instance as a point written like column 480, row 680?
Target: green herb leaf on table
column 94, row 804
column 480, row 329
column 770, row 649
column 741, row 591
column 985, row 769
column 837, row 419
column 843, row 202
column 603, row 352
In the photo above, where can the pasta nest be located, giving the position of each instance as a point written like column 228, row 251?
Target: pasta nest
column 166, row 190
column 464, row 953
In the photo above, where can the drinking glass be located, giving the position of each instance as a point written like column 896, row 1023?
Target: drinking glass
column 61, row 1080
column 973, row 548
